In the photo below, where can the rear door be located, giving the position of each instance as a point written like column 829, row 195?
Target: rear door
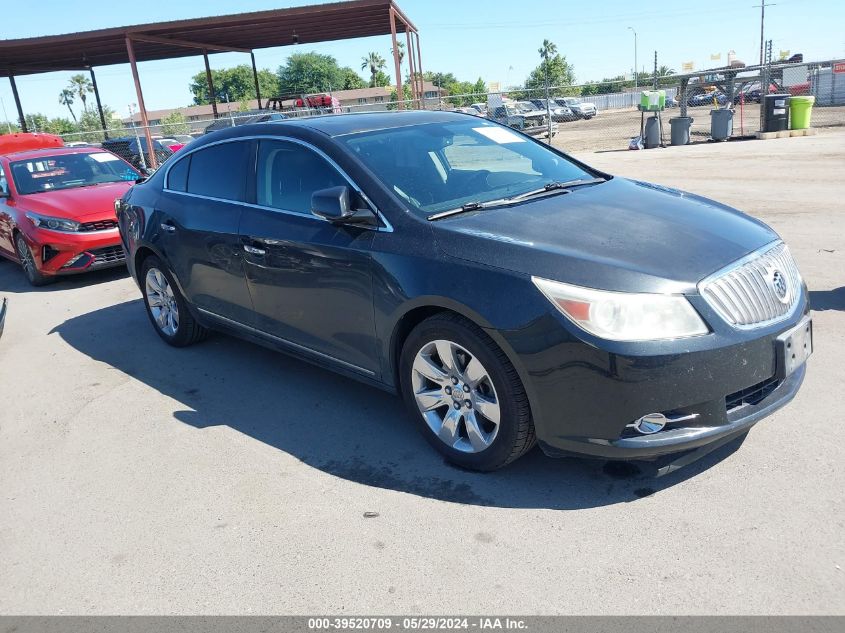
column 310, row 281
column 198, row 216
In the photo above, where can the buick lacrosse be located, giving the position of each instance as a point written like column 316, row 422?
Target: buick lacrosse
column 509, row 293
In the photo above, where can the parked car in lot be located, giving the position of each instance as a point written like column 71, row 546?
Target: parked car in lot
column 507, row 291
column 559, row 113
column 128, row 149
column 706, row 98
column 481, row 107
column 581, row 109
column 520, row 115
column 57, row 212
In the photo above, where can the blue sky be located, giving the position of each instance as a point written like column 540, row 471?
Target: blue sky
column 496, row 40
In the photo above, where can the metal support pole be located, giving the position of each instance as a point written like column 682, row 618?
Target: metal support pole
column 636, row 84
column 419, row 65
column 133, row 64
column 99, row 104
column 255, row 77
column 412, row 69
column 210, row 82
column 400, row 94
column 21, row 117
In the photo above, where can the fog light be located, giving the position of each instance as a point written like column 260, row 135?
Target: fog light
column 651, row 423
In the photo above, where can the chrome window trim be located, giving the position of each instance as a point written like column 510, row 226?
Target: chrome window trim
column 386, row 228
column 285, row 341
column 739, row 264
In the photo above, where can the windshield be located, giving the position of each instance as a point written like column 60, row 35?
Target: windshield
column 440, row 166
column 524, row 106
column 66, row 171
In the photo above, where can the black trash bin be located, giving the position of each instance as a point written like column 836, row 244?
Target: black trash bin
column 776, row 113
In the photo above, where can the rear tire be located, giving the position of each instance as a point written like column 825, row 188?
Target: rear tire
column 471, row 406
column 167, row 309
column 27, row 260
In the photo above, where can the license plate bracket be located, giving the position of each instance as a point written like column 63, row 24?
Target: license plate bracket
column 794, row 347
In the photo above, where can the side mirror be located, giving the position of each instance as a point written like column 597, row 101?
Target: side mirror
column 333, row 204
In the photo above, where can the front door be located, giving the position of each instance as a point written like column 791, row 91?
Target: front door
column 310, row 281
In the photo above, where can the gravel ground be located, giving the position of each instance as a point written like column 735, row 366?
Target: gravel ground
column 227, row 479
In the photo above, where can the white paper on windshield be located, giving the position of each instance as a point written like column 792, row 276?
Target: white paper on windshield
column 104, row 158
column 499, row 134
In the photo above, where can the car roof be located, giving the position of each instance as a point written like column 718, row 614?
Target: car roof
column 342, row 124
column 51, row 151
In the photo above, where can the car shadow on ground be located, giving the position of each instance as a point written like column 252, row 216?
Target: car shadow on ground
column 828, row 299
column 12, row 279
column 340, row 426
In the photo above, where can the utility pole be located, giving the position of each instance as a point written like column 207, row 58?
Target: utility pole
column 631, row 28
column 762, row 7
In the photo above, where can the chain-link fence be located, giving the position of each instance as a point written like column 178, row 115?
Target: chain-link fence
column 588, row 117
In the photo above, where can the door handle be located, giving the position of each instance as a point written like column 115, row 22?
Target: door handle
column 253, row 250
column 168, row 227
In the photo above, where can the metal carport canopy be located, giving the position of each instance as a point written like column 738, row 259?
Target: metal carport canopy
column 165, row 40
column 241, row 32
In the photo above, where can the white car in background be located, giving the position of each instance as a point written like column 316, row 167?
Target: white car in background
column 581, row 109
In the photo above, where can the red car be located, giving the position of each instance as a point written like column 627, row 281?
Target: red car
column 57, row 210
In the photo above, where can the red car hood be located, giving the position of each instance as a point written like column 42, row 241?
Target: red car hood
column 84, row 204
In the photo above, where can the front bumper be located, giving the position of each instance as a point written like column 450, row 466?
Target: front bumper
column 583, row 398
column 59, row 253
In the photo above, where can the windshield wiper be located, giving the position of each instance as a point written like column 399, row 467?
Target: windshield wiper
column 556, row 186
column 469, row 206
column 562, row 187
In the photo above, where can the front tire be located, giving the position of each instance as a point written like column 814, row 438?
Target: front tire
column 464, row 394
column 27, row 260
column 166, row 307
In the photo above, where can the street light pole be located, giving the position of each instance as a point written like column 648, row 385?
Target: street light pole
column 631, row 28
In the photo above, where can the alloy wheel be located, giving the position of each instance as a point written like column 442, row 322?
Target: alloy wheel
column 25, row 255
column 456, row 396
column 162, row 302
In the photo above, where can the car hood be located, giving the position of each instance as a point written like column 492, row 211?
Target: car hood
column 81, row 203
column 618, row 235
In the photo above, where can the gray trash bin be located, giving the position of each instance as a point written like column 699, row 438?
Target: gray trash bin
column 721, row 124
column 652, row 133
column 680, row 129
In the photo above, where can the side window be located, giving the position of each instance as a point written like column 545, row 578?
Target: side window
column 220, row 171
column 4, row 186
column 289, row 173
column 177, row 178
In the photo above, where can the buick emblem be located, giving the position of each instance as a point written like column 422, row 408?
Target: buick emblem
column 780, row 286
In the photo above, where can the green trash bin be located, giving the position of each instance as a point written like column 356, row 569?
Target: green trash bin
column 800, row 112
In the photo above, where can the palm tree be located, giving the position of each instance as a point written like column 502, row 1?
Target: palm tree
column 665, row 71
column 400, row 52
column 375, row 63
column 547, row 51
column 66, row 99
column 81, row 85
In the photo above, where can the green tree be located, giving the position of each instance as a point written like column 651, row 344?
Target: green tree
column 382, row 80
column 66, row 99
column 374, row 63
column 440, row 79
column 351, row 79
column 406, row 91
column 238, row 83
column 175, row 123
column 310, row 72
column 555, row 69
column 81, row 86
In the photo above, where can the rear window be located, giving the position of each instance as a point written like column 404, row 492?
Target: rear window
column 220, row 171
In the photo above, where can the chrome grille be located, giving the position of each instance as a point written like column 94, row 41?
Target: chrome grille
column 747, row 293
column 107, row 256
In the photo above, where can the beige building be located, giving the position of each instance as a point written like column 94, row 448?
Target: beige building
column 357, row 100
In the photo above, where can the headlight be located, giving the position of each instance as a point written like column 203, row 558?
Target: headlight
column 54, row 224
column 623, row 316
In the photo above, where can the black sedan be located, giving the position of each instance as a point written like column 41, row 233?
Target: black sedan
column 507, row 291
